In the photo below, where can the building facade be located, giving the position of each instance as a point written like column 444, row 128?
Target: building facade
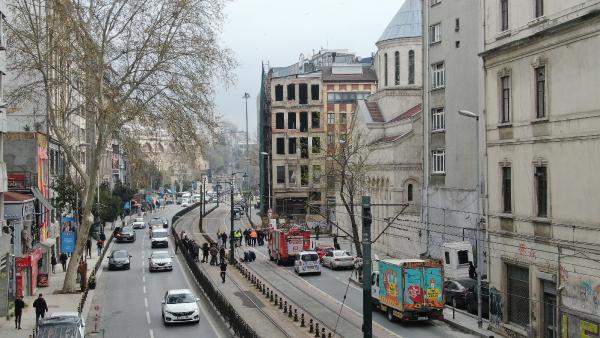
column 542, row 130
column 5, row 234
column 452, row 72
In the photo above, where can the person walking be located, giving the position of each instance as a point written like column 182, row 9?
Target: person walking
column 40, row 308
column 19, row 305
column 472, row 271
column 253, row 236
column 82, row 269
column 63, row 261
column 223, row 271
column 222, row 254
column 224, row 239
column 88, row 247
column 213, row 254
column 99, row 246
column 205, row 252
column 53, row 262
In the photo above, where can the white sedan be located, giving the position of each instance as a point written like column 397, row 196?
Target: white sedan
column 338, row 259
column 160, row 260
column 180, row 306
column 139, row 223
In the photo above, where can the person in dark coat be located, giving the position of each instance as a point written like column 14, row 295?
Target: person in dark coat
column 213, row 254
column 40, row 308
column 222, row 255
column 19, row 305
column 53, row 262
column 224, row 239
column 472, row 271
column 63, row 261
column 205, row 252
column 223, row 271
column 88, row 247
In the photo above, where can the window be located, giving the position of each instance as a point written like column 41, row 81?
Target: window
column 438, row 79
column 280, row 174
column 539, row 8
column 411, row 67
column 463, row 256
column 447, row 257
column 330, row 139
column 331, row 183
column 397, row 68
column 279, row 93
column 438, row 159
column 280, row 146
column 316, row 145
column 316, row 174
column 517, row 294
column 303, row 175
column 343, row 138
column 304, row 147
column 315, row 120
column 504, row 15
column 279, row 121
column 346, row 97
column 291, row 91
column 435, row 33
column 409, row 193
column 314, row 92
column 385, row 69
column 291, row 174
column 291, row 120
column 456, row 24
column 505, row 94
column 540, row 92
column 292, row 145
column 438, row 119
column 330, row 118
column 303, row 95
column 2, row 32
column 541, row 188
column 303, row 121
column 343, row 118
column 506, row 190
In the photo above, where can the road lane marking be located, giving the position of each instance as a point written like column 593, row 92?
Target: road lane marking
column 144, row 279
column 146, row 302
column 148, row 317
column 151, row 333
column 144, row 287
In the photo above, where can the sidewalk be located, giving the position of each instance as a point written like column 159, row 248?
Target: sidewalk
column 56, row 302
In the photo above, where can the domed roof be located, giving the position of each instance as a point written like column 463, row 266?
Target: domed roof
column 406, row 23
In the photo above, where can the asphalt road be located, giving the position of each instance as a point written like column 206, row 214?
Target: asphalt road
column 129, row 301
column 331, row 285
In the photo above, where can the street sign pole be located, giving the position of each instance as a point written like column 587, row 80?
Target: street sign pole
column 366, row 268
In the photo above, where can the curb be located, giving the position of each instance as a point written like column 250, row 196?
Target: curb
column 464, row 328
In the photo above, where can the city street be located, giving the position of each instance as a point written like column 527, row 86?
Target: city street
column 322, row 295
column 128, row 302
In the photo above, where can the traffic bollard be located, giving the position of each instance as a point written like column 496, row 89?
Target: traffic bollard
column 310, row 326
column 280, row 303
column 285, row 307
column 329, row 335
column 290, row 311
column 295, row 315
column 272, row 296
column 316, row 330
column 276, row 300
column 302, row 320
column 323, row 333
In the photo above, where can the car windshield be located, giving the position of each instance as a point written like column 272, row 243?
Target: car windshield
column 180, row 298
column 160, row 255
column 126, row 230
column 310, row 257
column 155, row 221
column 139, row 219
column 120, row 254
column 159, row 234
column 58, row 330
column 339, row 253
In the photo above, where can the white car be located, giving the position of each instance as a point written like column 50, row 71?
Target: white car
column 139, row 223
column 159, row 237
column 185, row 202
column 307, row 262
column 160, row 261
column 338, row 259
column 180, row 306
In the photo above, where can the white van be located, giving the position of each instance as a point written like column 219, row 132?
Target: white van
column 185, row 202
column 307, row 262
column 159, row 238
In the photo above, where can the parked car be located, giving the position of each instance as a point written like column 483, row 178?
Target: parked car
column 119, row 259
column 139, row 223
column 61, row 324
column 125, row 234
column 160, row 260
column 185, row 202
column 159, row 221
column 159, row 238
column 322, row 250
column 455, row 291
column 307, row 262
column 472, row 299
column 338, row 259
column 180, row 306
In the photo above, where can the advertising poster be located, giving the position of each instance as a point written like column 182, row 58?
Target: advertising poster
column 390, row 284
column 68, row 234
column 433, row 287
column 413, row 292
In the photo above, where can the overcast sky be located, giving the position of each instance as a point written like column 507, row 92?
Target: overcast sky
column 277, row 31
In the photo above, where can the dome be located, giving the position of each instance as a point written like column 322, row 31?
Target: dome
column 406, row 23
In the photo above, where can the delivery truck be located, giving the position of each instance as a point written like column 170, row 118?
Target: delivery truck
column 409, row 289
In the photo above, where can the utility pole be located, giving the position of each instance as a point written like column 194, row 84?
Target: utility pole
column 366, row 268
column 231, row 240
column 201, row 211
column 246, row 97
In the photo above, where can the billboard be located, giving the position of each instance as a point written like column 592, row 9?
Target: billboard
column 68, row 234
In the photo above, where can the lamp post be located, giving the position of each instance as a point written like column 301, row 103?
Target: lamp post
column 268, row 174
column 247, row 180
column 201, row 203
column 478, row 222
column 231, row 239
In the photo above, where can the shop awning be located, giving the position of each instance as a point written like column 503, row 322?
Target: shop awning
column 38, row 194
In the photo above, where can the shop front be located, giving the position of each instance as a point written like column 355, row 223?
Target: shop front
column 27, row 272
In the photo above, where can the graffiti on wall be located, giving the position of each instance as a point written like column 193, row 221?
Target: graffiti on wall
column 582, row 294
column 573, row 326
column 526, row 251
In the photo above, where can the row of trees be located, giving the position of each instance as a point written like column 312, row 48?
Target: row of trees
column 124, row 66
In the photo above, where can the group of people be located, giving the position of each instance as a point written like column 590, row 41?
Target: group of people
column 252, row 237
column 40, row 309
column 217, row 253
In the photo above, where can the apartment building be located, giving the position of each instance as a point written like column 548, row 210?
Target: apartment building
column 452, row 71
column 543, row 135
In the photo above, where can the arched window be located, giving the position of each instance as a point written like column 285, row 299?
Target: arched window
column 411, row 67
column 385, row 69
column 410, row 192
column 397, row 68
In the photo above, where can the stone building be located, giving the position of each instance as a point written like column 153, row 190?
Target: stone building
column 543, row 134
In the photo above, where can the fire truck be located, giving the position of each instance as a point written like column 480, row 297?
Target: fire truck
column 286, row 244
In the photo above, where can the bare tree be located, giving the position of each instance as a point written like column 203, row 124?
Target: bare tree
column 348, row 167
column 117, row 62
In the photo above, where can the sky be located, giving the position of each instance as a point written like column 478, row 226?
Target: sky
column 278, row 31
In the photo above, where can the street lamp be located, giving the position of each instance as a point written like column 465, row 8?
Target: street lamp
column 202, row 192
column 268, row 174
column 231, row 237
column 247, row 180
column 472, row 115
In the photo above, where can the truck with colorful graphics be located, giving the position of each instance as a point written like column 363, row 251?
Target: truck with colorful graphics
column 409, row 289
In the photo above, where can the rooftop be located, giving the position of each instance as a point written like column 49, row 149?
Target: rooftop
column 406, row 23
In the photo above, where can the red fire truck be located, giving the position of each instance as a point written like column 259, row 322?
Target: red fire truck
column 286, row 244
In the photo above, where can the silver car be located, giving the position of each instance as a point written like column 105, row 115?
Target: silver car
column 338, row 259
column 160, row 261
column 61, row 324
